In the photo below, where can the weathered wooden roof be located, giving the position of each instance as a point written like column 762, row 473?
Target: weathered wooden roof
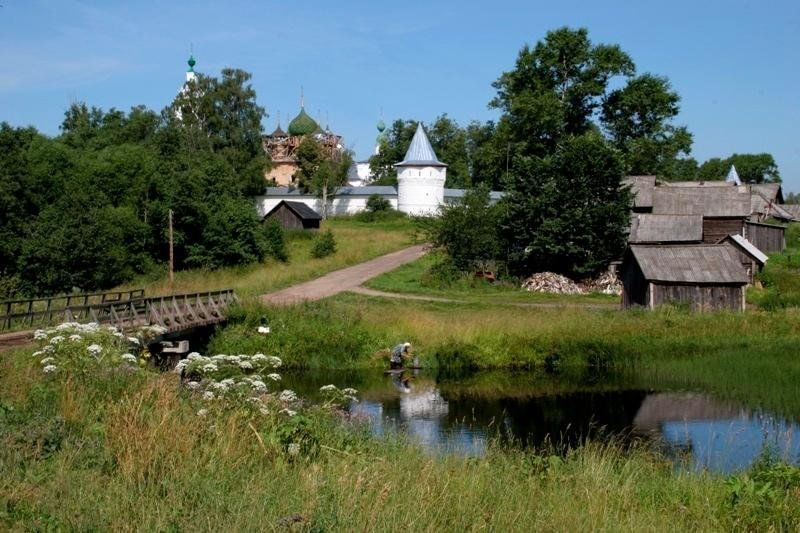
column 746, row 246
column 649, row 228
column 792, row 209
column 690, row 263
column 709, row 183
column 641, row 189
column 298, row 208
column 707, row 201
column 771, row 191
column 763, row 208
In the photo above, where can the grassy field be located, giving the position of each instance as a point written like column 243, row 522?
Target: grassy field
column 413, row 278
column 130, row 452
column 356, row 242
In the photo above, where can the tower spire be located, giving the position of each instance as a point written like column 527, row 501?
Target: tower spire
column 302, row 99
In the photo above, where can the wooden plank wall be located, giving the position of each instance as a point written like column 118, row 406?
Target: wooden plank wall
column 715, row 229
column 766, row 238
column 701, row 297
column 287, row 218
column 634, row 286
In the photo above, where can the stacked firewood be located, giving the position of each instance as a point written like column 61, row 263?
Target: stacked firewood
column 551, row 282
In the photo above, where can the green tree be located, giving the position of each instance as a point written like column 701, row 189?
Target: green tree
column 392, row 149
column 637, row 117
column 566, row 212
column 467, row 231
column 752, row 168
column 221, row 115
column 321, row 172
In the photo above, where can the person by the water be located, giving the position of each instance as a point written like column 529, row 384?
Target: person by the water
column 398, row 353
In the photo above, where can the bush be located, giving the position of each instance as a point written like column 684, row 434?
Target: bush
column 324, row 245
column 275, row 241
column 377, row 203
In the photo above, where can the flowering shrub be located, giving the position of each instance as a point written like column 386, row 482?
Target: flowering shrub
column 335, row 396
column 73, row 348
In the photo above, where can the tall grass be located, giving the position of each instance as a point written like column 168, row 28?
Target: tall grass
column 143, row 460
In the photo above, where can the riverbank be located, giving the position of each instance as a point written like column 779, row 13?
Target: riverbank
column 133, row 453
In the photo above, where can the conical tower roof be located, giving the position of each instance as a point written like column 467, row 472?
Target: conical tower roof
column 733, row 176
column 420, row 152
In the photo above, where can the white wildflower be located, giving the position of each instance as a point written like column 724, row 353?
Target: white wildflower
column 39, row 335
column 47, row 360
column 208, row 395
column 193, row 385
column 258, row 386
column 275, row 362
column 327, row 388
column 65, row 326
column 75, row 337
column 274, row 377
column 37, row 353
column 263, row 330
column 118, row 334
column 245, row 365
column 49, row 348
column 181, row 365
column 219, row 386
column 49, row 369
column 263, row 410
column 219, row 357
column 259, row 358
column 128, row 358
column 288, row 412
column 202, row 412
column 293, row 449
column 194, row 355
column 57, row 339
column 210, row 367
column 349, row 391
column 287, row 396
column 134, row 340
column 229, row 382
column 94, row 349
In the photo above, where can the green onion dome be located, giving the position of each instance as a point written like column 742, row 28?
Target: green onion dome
column 303, row 124
column 191, row 63
column 381, row 126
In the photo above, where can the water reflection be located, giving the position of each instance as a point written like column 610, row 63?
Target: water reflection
column 462, row 415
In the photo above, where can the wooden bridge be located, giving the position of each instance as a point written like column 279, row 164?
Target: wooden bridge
column 126, row 310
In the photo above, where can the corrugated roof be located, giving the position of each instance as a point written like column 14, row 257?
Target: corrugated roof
column 747, row 246
column 707, row 201
column 641, row 188
column 691, row 263
column 385, row 190
column 666, row 228
column 420, row 152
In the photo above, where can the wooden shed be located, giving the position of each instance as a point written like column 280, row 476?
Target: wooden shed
column 647, row 228
column 704, row 276
column 766, row 237
column 725, row 209
column 752, row 259
column 294, row 215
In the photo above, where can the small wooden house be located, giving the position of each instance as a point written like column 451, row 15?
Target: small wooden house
column 294, row 215
column 647, row 228
column 725, row 208
column 766, row 237
column 752, row 259
column 703, row 276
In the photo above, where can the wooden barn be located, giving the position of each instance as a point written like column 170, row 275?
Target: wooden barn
column 752, row 259
column 647, row 228
column 766, row 237
column 703, row 276
column 725, row 209
column 294, row 215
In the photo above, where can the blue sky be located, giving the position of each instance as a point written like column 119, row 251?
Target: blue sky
column 736, row 64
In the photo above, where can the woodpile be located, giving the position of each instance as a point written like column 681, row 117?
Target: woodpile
column 552, row 283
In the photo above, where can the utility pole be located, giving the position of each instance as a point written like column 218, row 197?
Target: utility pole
column 171, row 254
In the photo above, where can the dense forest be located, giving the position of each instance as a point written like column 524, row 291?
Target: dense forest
column 88, row 209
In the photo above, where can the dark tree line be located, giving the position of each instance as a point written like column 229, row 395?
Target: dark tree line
column 88, row 208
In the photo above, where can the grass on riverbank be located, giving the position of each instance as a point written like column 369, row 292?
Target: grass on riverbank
column 742, row 355
column 78, row 457
column 355, row 242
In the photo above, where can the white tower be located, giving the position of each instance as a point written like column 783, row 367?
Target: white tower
column 420, row 178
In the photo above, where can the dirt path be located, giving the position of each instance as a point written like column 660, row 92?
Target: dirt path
column 344, row 279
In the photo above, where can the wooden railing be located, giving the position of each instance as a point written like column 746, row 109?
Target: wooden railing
column 173, row 312
column 45, row 311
